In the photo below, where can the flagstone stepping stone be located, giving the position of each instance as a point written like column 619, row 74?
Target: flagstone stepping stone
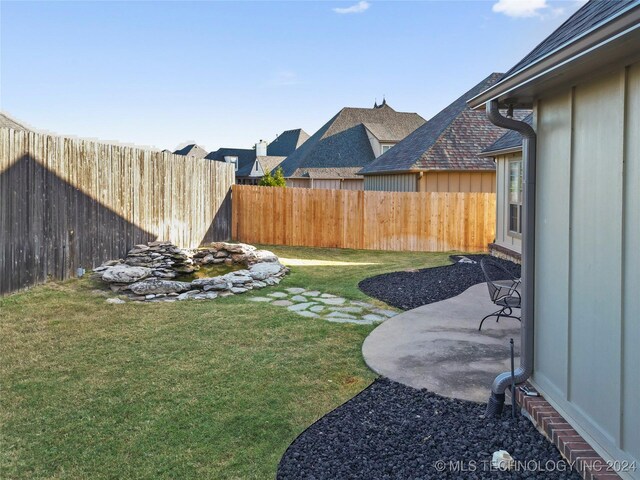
column 295, row 290
column 306, row 313
column 386, row 313
column 278, row 295
column 299, row 298
column 314, row 293
column 332, row 300
column 341, row 315
column 338, row 320
column 282, row 303
column 261, row 299
column 327, row 295
column 301, row 306
column 374, row 318
column 347, row 309
column 317, row 308
column 363, row 304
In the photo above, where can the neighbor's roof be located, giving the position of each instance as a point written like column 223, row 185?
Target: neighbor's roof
column 510, row 141
column 8, row 122
column 192, row 150
column 246, row 158
column 287, row 142
column 589, row 16
column 451, row 140
column 342, row 143
column 269, row 163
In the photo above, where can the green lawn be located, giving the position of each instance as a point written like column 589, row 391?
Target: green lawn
column 215, row 389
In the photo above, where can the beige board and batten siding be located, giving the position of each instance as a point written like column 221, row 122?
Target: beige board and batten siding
column 505, row 237
column 587, row 307
column 429, row 181
column 326, row 183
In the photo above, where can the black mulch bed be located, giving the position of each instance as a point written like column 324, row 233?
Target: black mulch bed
column 391, row 431
column 411, row 289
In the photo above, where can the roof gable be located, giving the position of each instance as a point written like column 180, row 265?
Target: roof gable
column 451, row 140
column 287, row 142
column 192, row 150
column 342, row 143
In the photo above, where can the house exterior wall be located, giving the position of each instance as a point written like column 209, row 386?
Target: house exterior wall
column 587, row 306
column 458, row 182
column 406, row 182
column 327, row 183
column 504, row 237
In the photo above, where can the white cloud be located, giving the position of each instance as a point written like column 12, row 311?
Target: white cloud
column 521, row 8
column 357, row 8
column 284, row 78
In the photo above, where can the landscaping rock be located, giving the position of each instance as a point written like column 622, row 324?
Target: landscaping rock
column 341, row 315
column 150, row 270
column 278, row 295
column 301, row 306
column 391, row 431
column 282, row 303
column 156, row 285
column 261, row 299
column 305, row 313
column 299, row 298
column 333, row 300
column 125, row 274
column 115, row 301
column 295, row 290
column 373, row 318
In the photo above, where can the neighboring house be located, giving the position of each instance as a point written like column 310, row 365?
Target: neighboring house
column 507, row 154
column 8, row 122
column 352, row 139
column 443, row 155
column 252, row 164
column 192, row 150
column 581, row 223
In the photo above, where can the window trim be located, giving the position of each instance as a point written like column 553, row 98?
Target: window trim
column 518, row 204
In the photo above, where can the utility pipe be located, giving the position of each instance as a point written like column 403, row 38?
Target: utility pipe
column 523, row 372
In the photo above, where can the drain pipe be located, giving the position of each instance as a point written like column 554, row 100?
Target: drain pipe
column 523, row 372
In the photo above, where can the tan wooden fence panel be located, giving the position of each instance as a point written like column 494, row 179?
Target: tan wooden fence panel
column 398, row 221
column 68, row 203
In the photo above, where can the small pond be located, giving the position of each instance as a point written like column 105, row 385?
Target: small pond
column 208, row 271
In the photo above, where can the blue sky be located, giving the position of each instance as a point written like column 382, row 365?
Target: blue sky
column 230, row 73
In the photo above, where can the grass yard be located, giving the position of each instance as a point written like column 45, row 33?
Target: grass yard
column 211, row 389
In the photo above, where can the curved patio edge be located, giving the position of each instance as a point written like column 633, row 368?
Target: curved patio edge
column 438, row 346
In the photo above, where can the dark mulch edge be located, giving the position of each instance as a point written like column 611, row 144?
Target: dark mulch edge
column 411, row 289
column 392, row 431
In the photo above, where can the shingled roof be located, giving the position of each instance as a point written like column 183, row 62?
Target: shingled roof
column 510, row 141
column 192, row 150
column 287, row 142
column 341, row 147
column 8, row 122
column 451, row 140
column 590, row 16
column 246, row 158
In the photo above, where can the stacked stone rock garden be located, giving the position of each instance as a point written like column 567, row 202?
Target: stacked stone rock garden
column 151, row 272
column 315, row 304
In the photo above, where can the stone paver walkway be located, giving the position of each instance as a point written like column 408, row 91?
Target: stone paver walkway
column 325, row 306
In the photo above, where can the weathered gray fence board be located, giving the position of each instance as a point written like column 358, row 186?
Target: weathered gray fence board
column 68, row 203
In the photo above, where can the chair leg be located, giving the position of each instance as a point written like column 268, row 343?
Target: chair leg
column 504, row 312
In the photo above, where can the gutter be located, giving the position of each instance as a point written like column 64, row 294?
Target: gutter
column 524, row 371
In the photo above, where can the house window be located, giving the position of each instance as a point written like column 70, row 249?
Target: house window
column 385, row 148
column 232, row 159
column 515, row 196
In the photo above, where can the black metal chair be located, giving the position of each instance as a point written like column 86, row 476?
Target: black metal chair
column 502, row 289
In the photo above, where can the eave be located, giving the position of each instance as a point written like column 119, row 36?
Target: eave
column 601, row 49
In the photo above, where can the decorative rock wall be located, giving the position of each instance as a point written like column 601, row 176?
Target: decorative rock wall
column 148, row 272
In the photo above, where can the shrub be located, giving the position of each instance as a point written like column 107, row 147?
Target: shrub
column 275, row 180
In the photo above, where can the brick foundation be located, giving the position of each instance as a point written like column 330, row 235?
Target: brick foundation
column 572, row 446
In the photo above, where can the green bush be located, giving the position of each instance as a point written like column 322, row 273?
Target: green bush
column 275, row 180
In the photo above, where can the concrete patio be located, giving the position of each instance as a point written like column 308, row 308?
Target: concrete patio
column 438, row 346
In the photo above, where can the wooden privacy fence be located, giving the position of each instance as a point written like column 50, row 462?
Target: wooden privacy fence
column 68, row 203
column 429, row 221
